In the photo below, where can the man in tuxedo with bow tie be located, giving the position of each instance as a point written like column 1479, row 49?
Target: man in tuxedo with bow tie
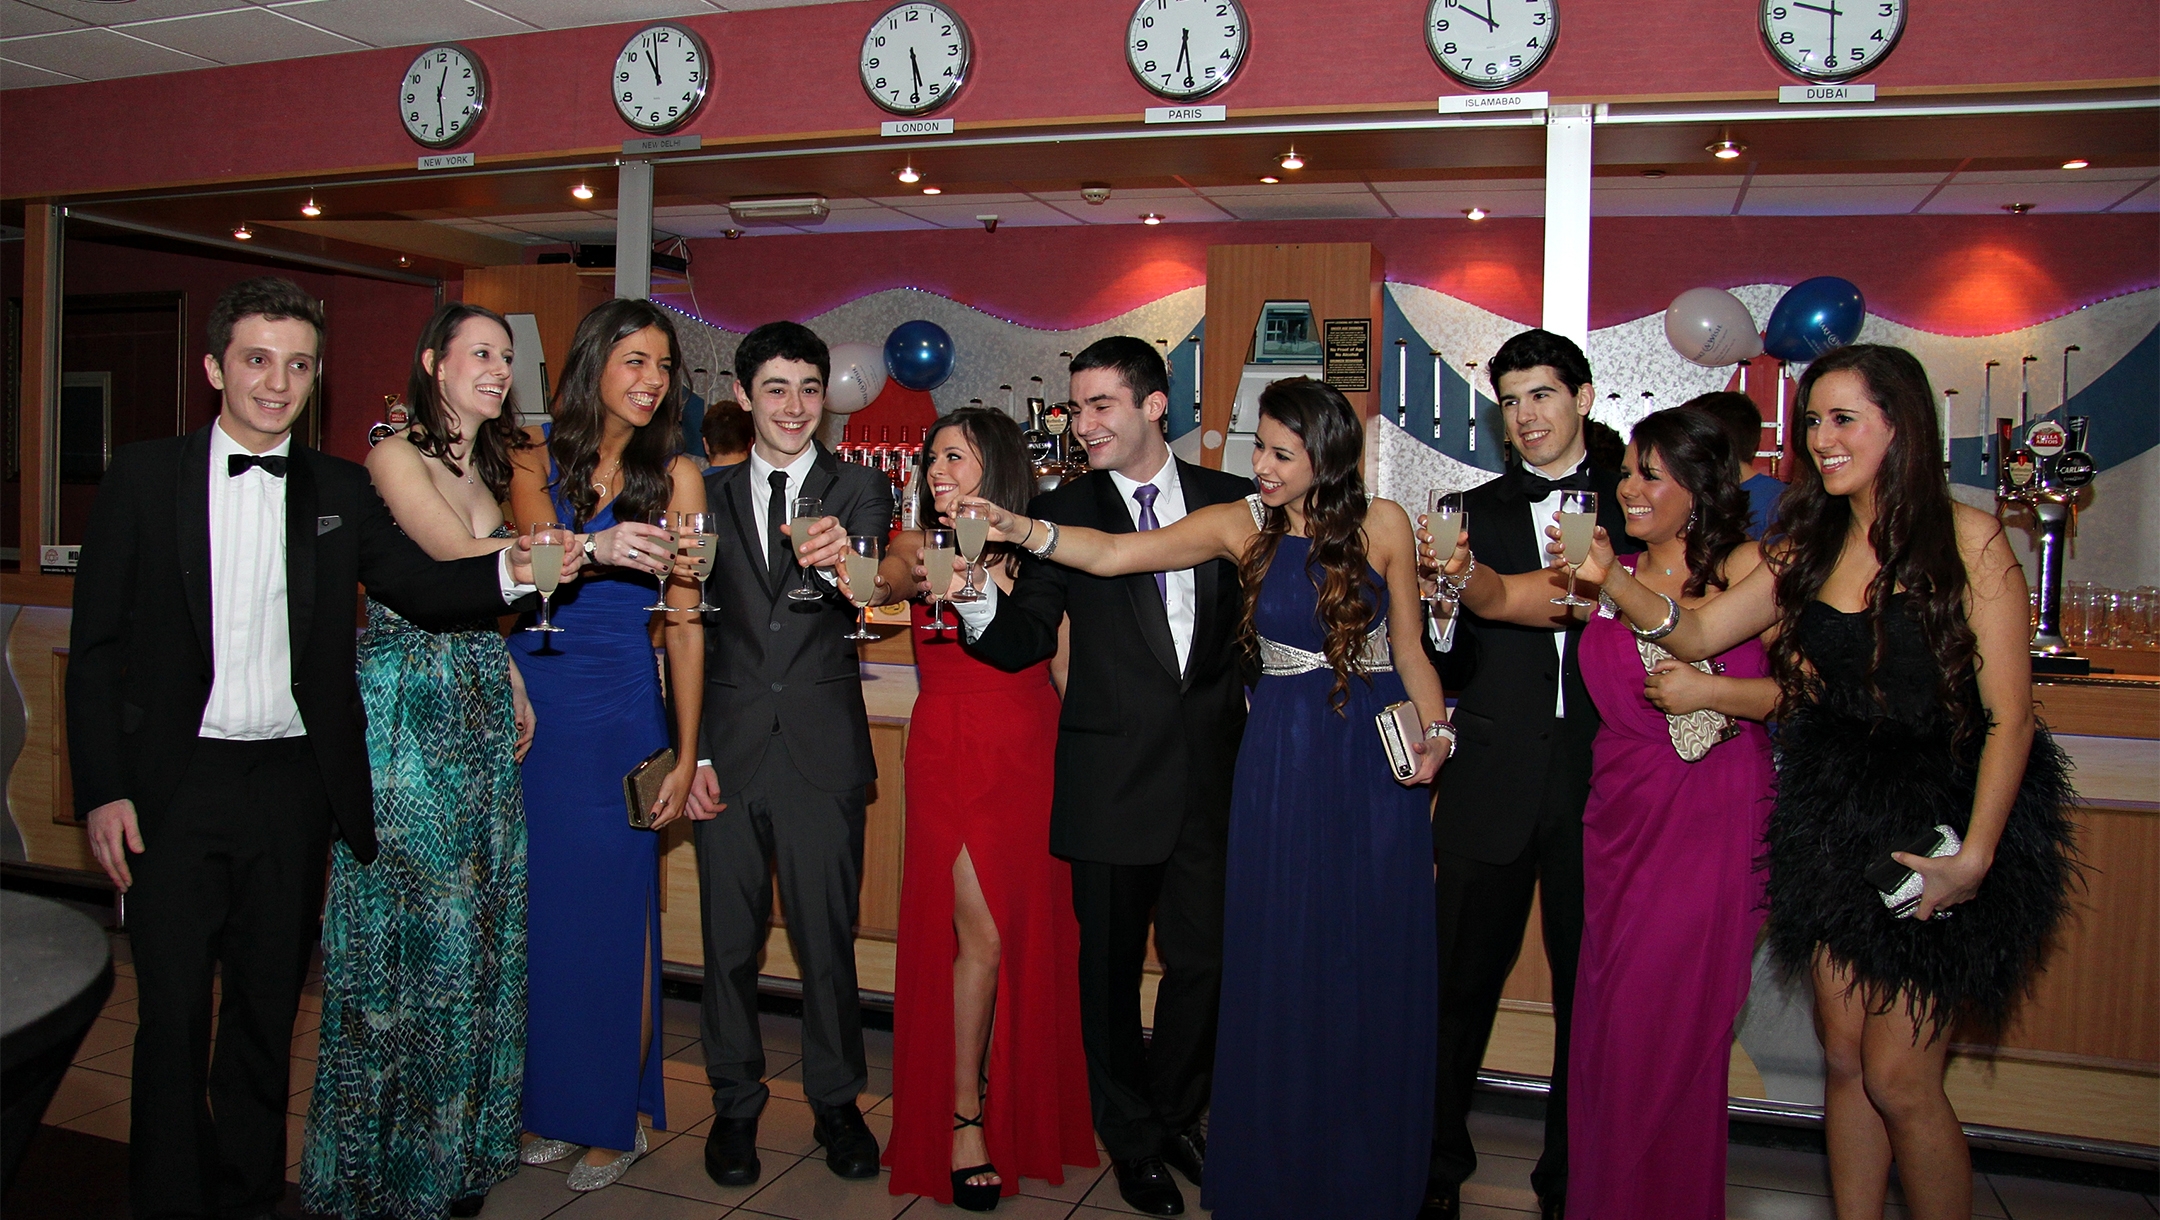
column 217, row 738
column 1508, row 816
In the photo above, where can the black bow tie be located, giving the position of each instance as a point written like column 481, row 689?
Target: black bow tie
column 272, row 464
column 1536, row 487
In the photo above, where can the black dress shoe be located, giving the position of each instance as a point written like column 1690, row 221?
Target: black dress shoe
column 850, row 1150
column 1552, row 1207
column 1147, row 1188
column 731, row 1151
column 1443, row 1200
column 468, row 1205
column 1186, row 1152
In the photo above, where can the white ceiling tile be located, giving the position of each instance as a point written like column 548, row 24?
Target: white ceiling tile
column 1447, row 185
column 1774, row 198
column 1119, row 197
column 1361, row 206
column 99, row 54
column 2051, row 175
column 245, row 36
column 1723, row 182
column 689, row 212
column 2069, row 195
column 962, row 215
column 22, row 76
column 569, row 14
column 1284, row 190
column 2146, row 200
column 17, row 19
column 402, row 23
column 1428, row 205
column 91, row 13
column 1925, row 181
column 556, row 230
column 855, row 220
column 1675, row 201
column 736, row 6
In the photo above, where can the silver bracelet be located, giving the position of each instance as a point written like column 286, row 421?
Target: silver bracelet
column 1440, row 728
column 1659, row 632
column 1050, row 541
column 1456, row 584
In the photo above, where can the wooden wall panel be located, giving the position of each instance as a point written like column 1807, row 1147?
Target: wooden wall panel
column 1341, row 279
column 2124, row 707
column 556, row 296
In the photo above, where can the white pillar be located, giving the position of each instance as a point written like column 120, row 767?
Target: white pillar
column 1567, row 222
column 633, row 229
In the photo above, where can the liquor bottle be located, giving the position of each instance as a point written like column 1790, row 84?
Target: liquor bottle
column 1041, row 445
column 907, row 510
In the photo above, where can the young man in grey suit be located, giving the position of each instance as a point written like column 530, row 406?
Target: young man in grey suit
column 786, row 758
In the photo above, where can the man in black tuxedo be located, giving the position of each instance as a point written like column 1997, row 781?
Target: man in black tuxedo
column 218, row 741
column 786, row 758
column 1154, row 709
column 1508, row 819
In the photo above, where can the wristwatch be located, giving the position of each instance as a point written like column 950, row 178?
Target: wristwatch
column 592, row 549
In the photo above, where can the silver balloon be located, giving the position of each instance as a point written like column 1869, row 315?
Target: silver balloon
column 1710, row 327
column 858, row 377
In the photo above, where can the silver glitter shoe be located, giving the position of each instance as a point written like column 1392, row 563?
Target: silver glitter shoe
column 592, row 1177
column 544, row 1152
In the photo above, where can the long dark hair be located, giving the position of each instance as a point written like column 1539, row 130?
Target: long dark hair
column 1693, row 450
column 435, row 430
column 574, row 442
column 1334, row 523
column 1007, row 480
column 1914, row 535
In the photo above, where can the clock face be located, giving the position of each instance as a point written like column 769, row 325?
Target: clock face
column 915, row 58
column 661, row 77
column 1826, row 42
column 1491, row 44
column 441, row 96
column 1183, row 49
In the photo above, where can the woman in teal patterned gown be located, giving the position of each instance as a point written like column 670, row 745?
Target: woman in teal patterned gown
column 415, row 1111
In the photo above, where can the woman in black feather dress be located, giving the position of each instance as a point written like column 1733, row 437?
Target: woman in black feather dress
column 1906, row 704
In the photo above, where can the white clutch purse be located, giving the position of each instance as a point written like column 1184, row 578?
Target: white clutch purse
column 1696, row 733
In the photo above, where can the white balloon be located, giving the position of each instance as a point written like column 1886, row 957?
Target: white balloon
column 1710, row 327
column 858, row 377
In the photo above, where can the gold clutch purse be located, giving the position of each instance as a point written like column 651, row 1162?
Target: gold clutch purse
column 641, row 788
column 1694, row 734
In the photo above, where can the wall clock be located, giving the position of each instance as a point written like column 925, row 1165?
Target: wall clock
column 661, row 77
column 1829, row 43
column 915, row 57
column 441, row 96
column 1186, row 49
column 1490, row 44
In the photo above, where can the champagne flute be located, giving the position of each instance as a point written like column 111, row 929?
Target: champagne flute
column 972, row 528
column 940, row 548
column 1445, row 523
column 860, row 562
column 702, row 531
column 1578, row 519
column 663, row 519
column 808, row 509
column 548, row 540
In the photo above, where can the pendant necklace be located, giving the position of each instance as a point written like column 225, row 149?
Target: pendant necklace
column 600, row 485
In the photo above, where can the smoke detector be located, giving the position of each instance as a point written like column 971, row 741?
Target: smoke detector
column 1097, row 193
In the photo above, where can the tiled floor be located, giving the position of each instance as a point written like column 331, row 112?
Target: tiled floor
column 670, row 1182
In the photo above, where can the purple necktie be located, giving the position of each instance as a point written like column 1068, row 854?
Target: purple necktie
column 1145, row 494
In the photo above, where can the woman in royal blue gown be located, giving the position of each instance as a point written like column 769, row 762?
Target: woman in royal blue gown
column 603, row 468
column 1324, row 1056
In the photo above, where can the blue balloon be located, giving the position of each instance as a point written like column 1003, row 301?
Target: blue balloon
column 919, row 355
column 1816, row 316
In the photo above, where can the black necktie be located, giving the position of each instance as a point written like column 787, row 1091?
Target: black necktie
column 776, row 506
column 238, row 463
column 1536, row 487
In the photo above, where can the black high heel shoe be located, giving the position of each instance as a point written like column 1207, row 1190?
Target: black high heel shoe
column 968, row 1195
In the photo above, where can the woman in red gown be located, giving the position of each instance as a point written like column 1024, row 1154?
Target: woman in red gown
column 989, row 1083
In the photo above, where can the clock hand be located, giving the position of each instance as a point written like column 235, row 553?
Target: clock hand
column 440, row 85
column 915, row 68
column 1184, row 56
column 1485, row 17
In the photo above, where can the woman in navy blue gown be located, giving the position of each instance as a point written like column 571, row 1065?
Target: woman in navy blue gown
column 603, row 468
column 1323, row 1060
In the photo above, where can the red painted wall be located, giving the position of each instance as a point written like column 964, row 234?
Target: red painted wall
column 1960, row 275
column 791, row 70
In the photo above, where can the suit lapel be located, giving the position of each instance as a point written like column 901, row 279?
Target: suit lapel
column 300, row 501
column 1147, row 600
column 191, row 517
column 1515, row 537
column 818, row 481
column 1207, row 602
column 735, row 489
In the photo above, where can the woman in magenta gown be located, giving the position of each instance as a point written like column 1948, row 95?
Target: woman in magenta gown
column 1672, row 901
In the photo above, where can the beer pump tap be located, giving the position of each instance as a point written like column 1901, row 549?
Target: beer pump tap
column 1988, row 421
column 2045, row 474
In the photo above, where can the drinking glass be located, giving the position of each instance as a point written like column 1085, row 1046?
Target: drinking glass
column 1578, row 518
column 940, row 548
column 808, row 510
column 703, row 532
column 1445, row 522
column 972, row 529
column 663, row 519
column 548, row 540
column 860, row 560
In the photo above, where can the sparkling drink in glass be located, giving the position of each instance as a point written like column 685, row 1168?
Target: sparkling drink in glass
column 1578, row 520
column 859, row 562
column 698, row 534
column 972, row 529
column 940, row 548
column 664, row 519
column 548, row 540
column 1445, row 523
column 807, row 511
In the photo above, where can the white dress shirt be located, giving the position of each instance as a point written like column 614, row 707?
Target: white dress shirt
column 1443, row 621
column 761, row 473
column 250, row 636
column 1183, row 604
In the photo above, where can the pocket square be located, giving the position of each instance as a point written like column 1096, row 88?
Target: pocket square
column 324, row 525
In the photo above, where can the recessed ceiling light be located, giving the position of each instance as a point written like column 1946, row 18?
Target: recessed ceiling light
column 1291, row 160
column 404, row 260
column 244, row 233
column 933, row 190
column 1725, row 150
column 1270, row 179
column 1653, row 173
column 1476, row 213
column 907, row 174
column 2017, row 209
column 581, row 191
column 1151, row 218
column 2076, row 163
column 309, row 208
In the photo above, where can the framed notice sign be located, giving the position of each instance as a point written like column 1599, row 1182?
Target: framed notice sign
column 1346, row 357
